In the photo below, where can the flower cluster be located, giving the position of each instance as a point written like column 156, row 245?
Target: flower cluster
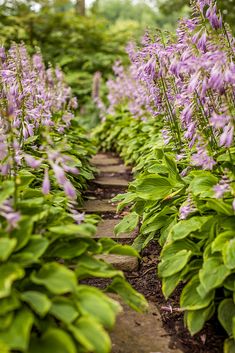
column 35, row 103
column 188, row 81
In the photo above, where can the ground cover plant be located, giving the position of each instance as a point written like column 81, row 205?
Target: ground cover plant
column 46, row 243
column 171, row 115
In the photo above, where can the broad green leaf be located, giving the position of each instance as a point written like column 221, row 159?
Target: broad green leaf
column 91, row 335
column 82, row 230
column 93, row 302
column 25, row 178
column 23, row 232
column 7, row 190
column 64, row 310
column 190, row 298
column 56, row 278
column 221, row 239
column 89, row 266
column 220, row 207
column 229, row 345
column 213, row 273
column 9, row 303
column 134, row 299
column 203, row 185
column 68, row 250
column 54, row 340
column 229, row 282
column 127, row 224
column 169, row 284
column 153, row 187
column 39, row 302
column 229, row 254
column 174, row 264
column 4, row 347
column 9, row 273
column 34, row 249
column 184, row 228
column 6, row 248
column 196, row 319
column 170, row 249
column 226, row 313
column 6, row 320
column 17, row 334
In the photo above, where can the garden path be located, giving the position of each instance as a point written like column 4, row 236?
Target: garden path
column 134, row 332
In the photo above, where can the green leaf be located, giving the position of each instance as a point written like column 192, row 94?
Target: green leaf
column 25, row 178
column 91, row 335
column 39, row 302
column 196, row 319
column 185, row 227
column 134, row 299
column 82, row 230
column 190, row 298
column 9, row 303
column 17, row 334
column 213, row 273
column 64, row 310
column 221, row 239
column 203, row 185
column 226, row 313
column 88, row 266
column 229, row 345
column 127, row 224
column 6, row 320
column 54, row 340
column 9, row 273
column 153, row 188
column 93, row 302
column 23, row 232
column 169, row 284
column 229, row 254
column 56, row 278
column 68, row 250
column 174, row 264
column 220, row 207
column 6, row 248
column 7, row 190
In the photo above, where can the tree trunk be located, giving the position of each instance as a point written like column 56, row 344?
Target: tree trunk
column 81, row 7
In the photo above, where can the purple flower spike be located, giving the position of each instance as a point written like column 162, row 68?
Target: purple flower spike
column 70, row 190
column 32, row 162
column 46, row 183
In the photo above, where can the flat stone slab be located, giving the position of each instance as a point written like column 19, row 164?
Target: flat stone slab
column 106, row 229
column 103, row 181
column 141, row 333
column 104, row 159
column 115, row 169
column 99, row 206
column 120, row 262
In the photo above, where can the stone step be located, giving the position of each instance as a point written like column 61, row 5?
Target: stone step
column 114, row 169
column 112, row 182
column 106, row 229
column 120, row 262
column 99, row 206
column 104, row 159
column 141, row 333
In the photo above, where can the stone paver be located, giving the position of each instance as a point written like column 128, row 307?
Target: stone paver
column 104, row 159
column 99, row 206
column 141, row 333
column 115, row 182
column 106, row 229
column 115, row 169
column 120, row 262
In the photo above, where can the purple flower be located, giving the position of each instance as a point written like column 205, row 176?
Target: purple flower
column 226, row 138
column 233, row 204
column 59, row 174
column 12, row 216
column 46, row 183
column 187, row 208
column 32, row 162
column 70, row 190
column 202, row 159
column 220, row 190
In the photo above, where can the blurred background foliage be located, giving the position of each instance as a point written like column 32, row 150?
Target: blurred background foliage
column 85, row 36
